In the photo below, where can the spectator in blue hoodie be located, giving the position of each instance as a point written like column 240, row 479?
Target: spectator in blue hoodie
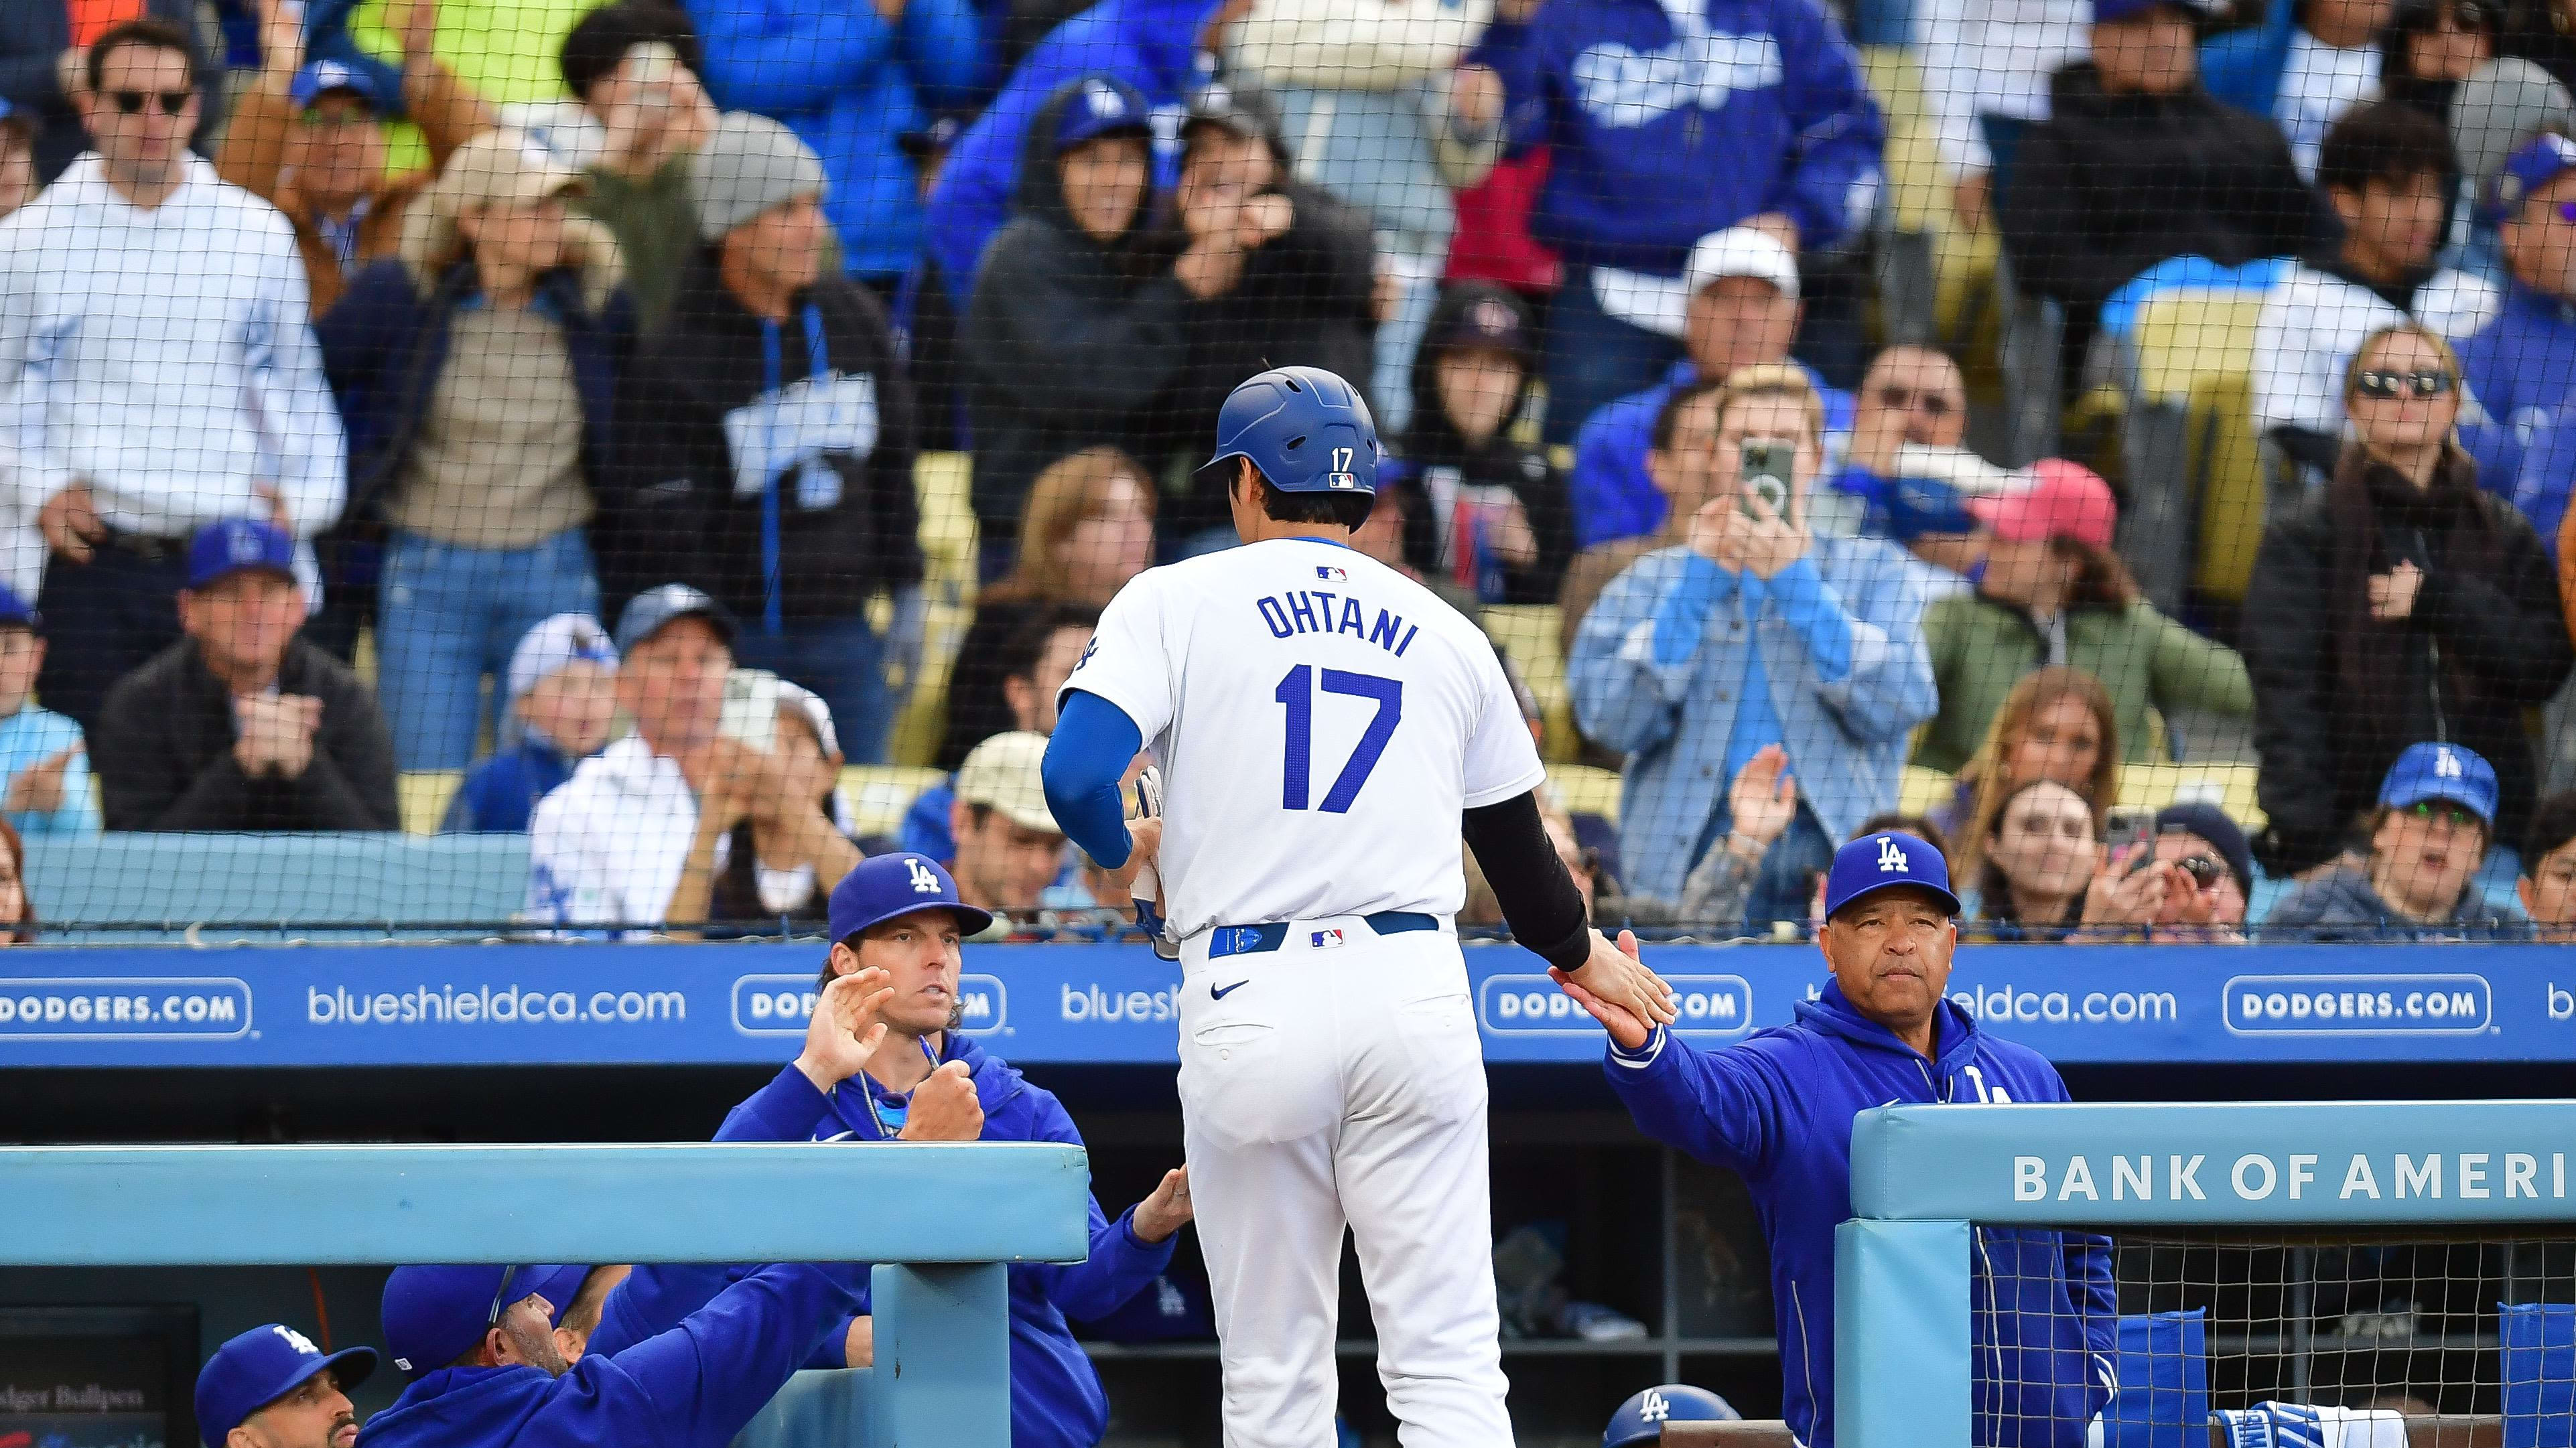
column 1734, row 306
column 901, row 914
column 2521, row 366
column 849, row 80
column 1668, row 121
column 1778, row 1110
column 1157, row 46
column 563, row 708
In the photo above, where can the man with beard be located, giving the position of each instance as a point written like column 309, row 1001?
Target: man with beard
column 272, row 1388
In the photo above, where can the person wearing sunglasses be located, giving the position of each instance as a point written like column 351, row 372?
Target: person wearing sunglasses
column 2429, row 833
column 2398, row 603
column 2384, row 167
column 1901, row 476
column 157, row 369
column 305, row 138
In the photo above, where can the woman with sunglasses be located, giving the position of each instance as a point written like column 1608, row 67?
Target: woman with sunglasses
column 2398, row 604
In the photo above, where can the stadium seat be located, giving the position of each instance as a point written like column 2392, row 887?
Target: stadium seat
column 949, row 545
column 1528, row 634
column 2193, row 454
column 878, row 794
column 424, row 794
column 948, row 539
column 1582, row 789
column 1923, row 790
column 1915, row 204
column 2228, row 786
column 219, row 887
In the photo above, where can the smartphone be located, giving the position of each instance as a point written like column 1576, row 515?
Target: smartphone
column 1767, row 467
column 750, row 712
column 2133, row 836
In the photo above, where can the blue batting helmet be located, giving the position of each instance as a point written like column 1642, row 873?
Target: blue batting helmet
column 1641, row 1419
column 1307, row 430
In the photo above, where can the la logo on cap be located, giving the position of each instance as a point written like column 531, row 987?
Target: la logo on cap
column 1105, row 100
column 1656, row 1408
column 923, row 882
column 296, row 1340
column 243, row 543
column 2446, row 765
column 1891, row 857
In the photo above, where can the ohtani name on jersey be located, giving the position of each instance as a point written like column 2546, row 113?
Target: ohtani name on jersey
column 1313, row 611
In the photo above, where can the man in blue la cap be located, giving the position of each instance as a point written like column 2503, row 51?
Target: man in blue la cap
column 271, row 1387
column 243, row 724
column 1778, row 1108
column 2521, row 366
column 900, row 914
column 487, row 1370
column 2429, row 836
column 1641, row 1419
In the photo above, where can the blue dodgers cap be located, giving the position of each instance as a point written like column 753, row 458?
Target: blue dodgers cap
column 647, row 612
column 2442, row 771
column 2534, row 164
column 1103, row 106
column 1641, row 1419
column 878, row 889
column 261, row 1366
column 1883, row 861
column 322, row 77
column 236, row 545
column 434, row 1315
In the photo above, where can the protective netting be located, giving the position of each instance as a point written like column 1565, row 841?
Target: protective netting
column 1979, row 419
column 2400, row 1339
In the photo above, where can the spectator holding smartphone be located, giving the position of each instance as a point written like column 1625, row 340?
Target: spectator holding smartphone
column 634, row 65
column 1754, row 632
column 772, row 840
column 2188, row 885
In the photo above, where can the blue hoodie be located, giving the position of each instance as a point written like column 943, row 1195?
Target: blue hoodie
column 1150, row 44
column 848, row 84
column 1778, row 1110
column 499, row 794
column 2521, row 367
column 1660, row 138
column 1056, row 1397
column 693, row 1386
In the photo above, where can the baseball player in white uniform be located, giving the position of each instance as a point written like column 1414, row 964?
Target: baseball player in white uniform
column 1326, row 730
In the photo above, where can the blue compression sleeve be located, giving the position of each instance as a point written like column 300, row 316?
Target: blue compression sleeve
column 1094, row 740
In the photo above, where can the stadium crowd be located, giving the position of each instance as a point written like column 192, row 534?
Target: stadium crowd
column 373, row 406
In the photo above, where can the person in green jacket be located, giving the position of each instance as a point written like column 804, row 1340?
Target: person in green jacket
column 2054, row 593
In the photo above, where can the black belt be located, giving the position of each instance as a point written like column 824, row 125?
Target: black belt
column 1254, row 939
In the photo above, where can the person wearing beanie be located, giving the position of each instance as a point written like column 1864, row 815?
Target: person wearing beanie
column 563, row 708
column 2189, row 886
column 476, row 373
column 635, row 65
column 769, row 435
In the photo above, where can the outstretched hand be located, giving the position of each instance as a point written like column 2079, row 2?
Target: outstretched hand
column 845, row 1031
column 1615, row 988
column 1167, row 1210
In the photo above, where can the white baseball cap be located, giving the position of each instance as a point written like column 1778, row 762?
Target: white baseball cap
column 1661, row 304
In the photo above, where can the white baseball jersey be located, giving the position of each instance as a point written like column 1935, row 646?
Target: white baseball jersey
column 1320, row 720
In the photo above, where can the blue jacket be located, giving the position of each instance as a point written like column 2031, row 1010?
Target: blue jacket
column 848, row 84
column 1778, row 1111
column 2521, row 366
column 2546, row 475
column 1842, row 651
column 1612, row 494
column 499, row 794
column 384, row 344
column 2243, row 67
column 693, row 1386
column 1150, row 44
column 1659, row 139
column 1056, row 1397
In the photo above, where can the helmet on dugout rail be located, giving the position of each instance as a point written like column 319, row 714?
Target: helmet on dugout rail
column 1307, row 430
column 1641, row 1419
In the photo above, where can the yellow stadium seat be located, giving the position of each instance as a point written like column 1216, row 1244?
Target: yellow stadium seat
column 1582, row 789
column 1923, row 790
column 2228, row 786
column 915, row 736
column 878, row 794
column 2196, row 348
column 1529, row 634
column 423, row 794
column 940, row 482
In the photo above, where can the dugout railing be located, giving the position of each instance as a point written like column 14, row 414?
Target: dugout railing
column 940, row 1221
column 2170, row 1177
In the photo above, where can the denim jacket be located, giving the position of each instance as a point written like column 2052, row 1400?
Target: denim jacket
column 1845, row 729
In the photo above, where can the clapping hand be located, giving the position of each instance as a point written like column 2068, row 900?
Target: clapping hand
column 39, row 787
column 845, row 1031
column 1761, row 801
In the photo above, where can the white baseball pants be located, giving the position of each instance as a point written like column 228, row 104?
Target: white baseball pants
column 1339, row 1081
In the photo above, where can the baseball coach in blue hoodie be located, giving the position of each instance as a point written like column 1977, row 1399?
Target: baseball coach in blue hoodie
column 1777, row 1109
column 901, row 914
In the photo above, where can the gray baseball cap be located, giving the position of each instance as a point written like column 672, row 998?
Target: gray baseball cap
column 649, row 612
column 750, row 164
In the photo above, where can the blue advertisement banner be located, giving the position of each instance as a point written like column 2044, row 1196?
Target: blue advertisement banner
column 1077, row 1004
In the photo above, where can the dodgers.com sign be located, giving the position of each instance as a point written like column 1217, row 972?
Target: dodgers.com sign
column 782, row 1005
column 1531, row 1005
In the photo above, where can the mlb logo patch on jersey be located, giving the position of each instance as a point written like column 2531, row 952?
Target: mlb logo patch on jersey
column 1332, row 574
column 1326, row 939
